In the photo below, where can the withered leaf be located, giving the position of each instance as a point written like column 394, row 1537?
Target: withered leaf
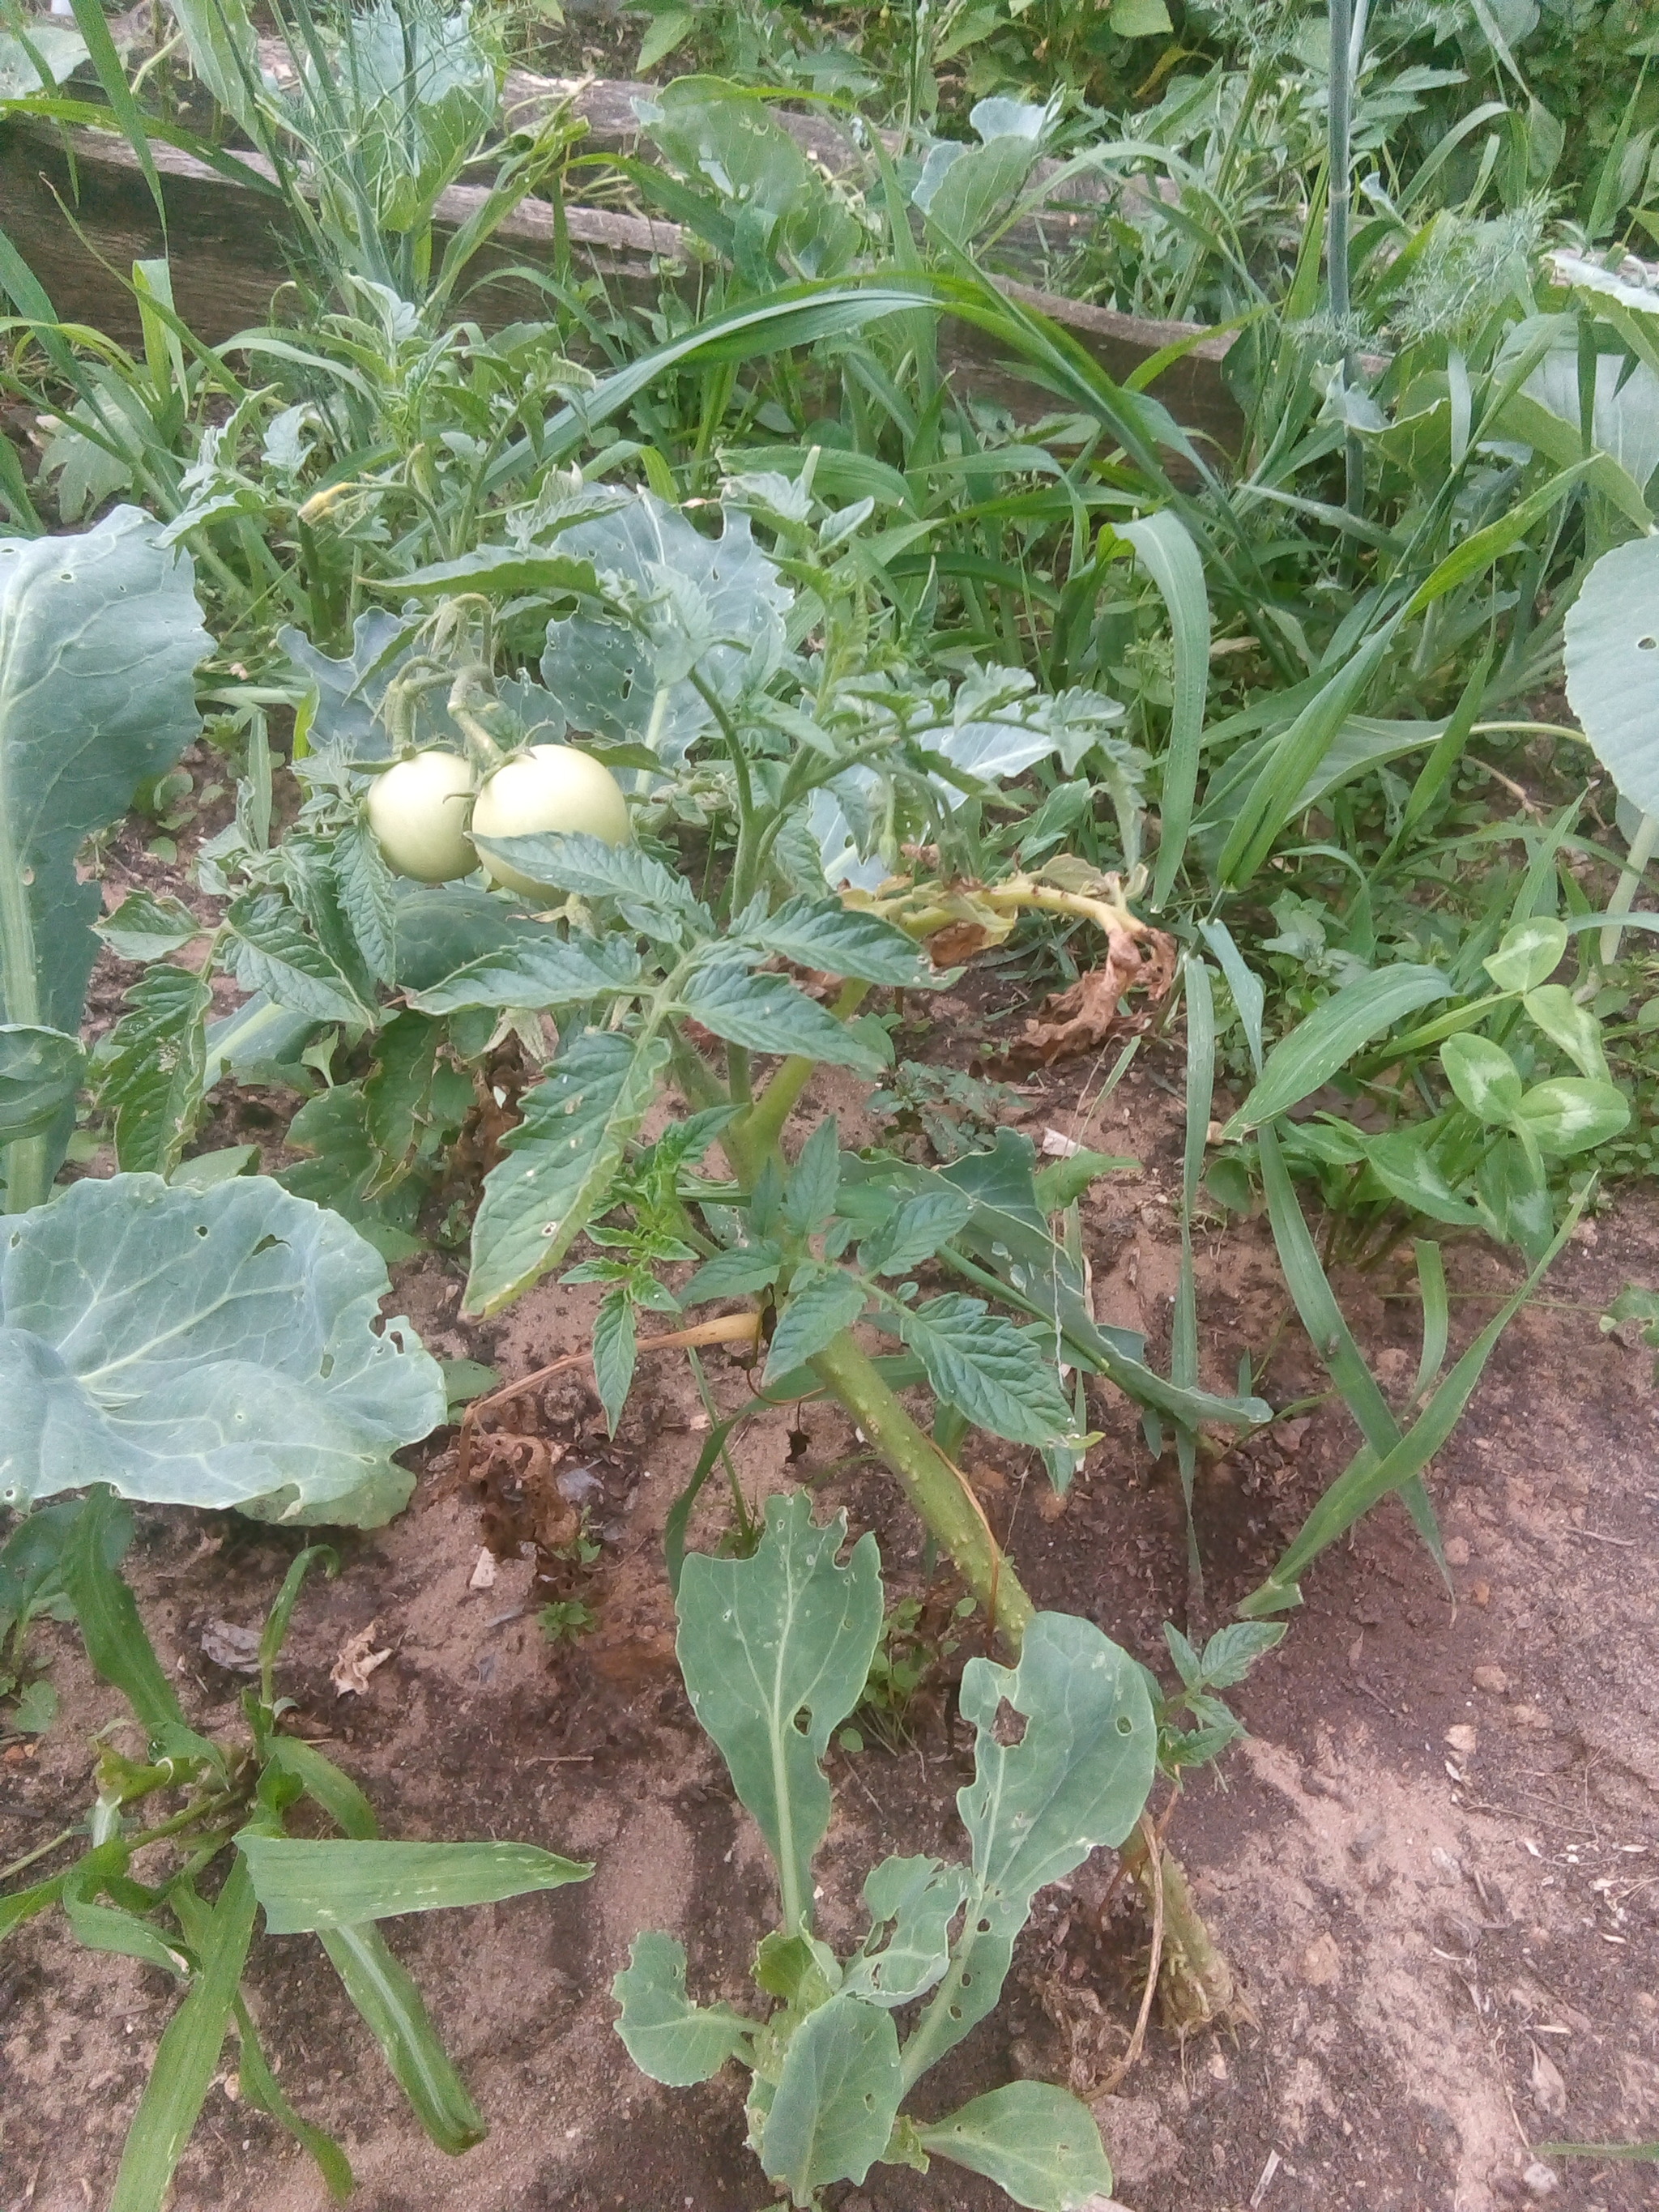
column 1091, row 1013
column 357, row 1661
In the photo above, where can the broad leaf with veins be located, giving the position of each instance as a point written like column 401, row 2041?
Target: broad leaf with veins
column 710, row 608
column 214, row 1347
column 99, row 640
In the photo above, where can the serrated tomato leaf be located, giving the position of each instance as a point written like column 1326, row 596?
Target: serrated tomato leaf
column 767, row 1013
column 981, row 1365
column 560, row 1161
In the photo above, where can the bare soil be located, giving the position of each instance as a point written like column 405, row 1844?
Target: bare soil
column 1449, row 1942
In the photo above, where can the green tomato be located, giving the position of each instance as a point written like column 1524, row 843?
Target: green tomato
column 550, row 787
column 418, row 812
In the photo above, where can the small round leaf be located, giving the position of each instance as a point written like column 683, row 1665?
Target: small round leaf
column 1530, row 953
column 1484, row 1076
column 1571, row 1115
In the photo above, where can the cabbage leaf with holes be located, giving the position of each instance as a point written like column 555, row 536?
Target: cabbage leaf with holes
column 219, row 1347
column 775, row 1650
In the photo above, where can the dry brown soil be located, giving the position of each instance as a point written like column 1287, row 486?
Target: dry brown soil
column 1448, row 1943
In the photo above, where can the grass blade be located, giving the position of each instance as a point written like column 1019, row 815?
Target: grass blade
column 1330, row 1037
column 224, row 52
column 1273, row 797
column 1183, row 1342
column 1645, row 2154
column 262, row 2090
column 797, row 315
column 1370, row 1478
column 1172, row 560
column 1437, row 1313
column 188, row 2056
column 1249, row 996
column 108, row 1616
column 324, row 1783
column 1474, row 555
column 1333, row 1339
column 678, row 1523
column 15, row 494
column 1448, row 751
column 306, row 1884
column 94, row 26
column 388, row 2000
column 277, row 1621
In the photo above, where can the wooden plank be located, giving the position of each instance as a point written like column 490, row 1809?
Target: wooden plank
column 229, row 253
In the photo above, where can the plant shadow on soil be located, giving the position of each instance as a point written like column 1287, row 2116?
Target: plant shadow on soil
column 1450, row 1945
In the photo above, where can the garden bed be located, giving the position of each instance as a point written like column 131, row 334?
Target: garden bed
column 1446, row 1942
column 1224, row 866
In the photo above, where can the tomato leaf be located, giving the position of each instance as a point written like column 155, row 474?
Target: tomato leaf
column 766, row 1013
column 560, row 1161
column 842, row 941
column 981, row 1365
column 615, row 1349
column 544, row 971
column 151, row 1069
column 270, row 950
column 823, row 1301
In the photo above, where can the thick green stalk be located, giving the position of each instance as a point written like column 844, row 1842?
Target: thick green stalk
column 758, row 1133
column 935, row 1489
column 1198, row 1984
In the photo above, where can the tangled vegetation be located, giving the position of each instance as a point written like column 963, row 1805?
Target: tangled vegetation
column 643, row 695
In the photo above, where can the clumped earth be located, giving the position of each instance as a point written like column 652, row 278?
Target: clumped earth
column 1434, row 1865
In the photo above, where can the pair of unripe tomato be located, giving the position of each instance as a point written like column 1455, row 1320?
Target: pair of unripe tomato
column 425, row 812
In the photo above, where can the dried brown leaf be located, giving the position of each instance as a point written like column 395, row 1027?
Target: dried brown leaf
column 1091, row 1013
column 357, row 1661
column 1549, row 2091
column 959, row 941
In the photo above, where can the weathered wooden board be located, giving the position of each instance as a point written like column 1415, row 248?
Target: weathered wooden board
column 79, row 210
